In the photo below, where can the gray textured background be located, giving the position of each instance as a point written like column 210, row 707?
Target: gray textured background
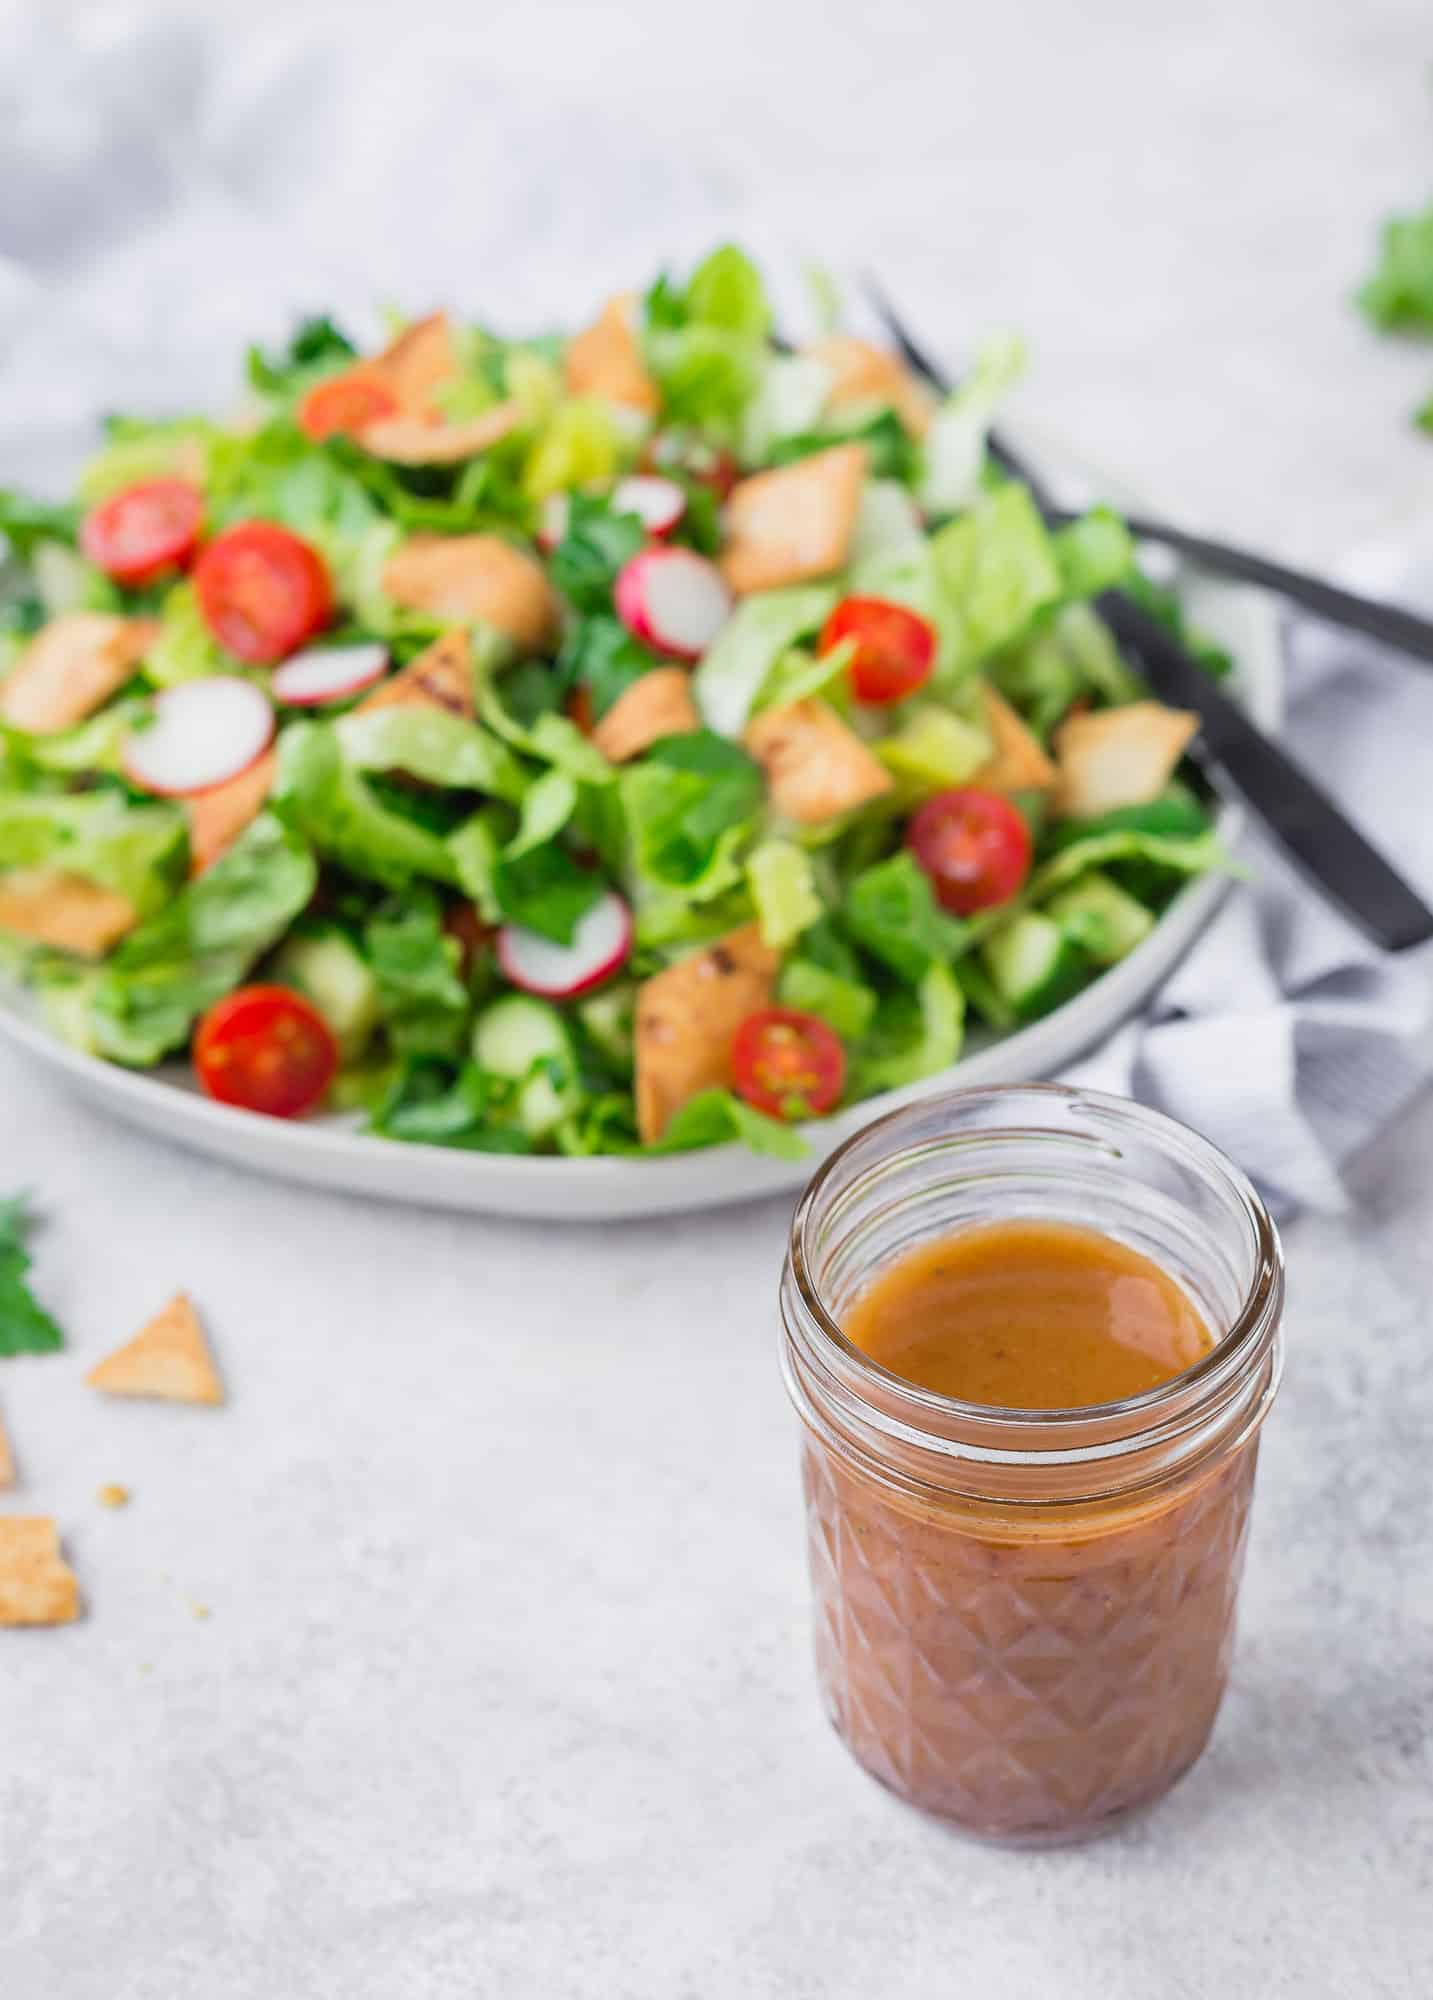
column 505, row 1690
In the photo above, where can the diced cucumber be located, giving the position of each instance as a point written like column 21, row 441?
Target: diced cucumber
column 1100, row 917
column 934, row 748
column 526, row 1042
column 326, row 967
column 607, row 1016
column 1033, row 965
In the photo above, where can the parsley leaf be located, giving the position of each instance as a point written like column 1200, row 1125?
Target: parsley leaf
column 1398, row 297
column 25, row 1326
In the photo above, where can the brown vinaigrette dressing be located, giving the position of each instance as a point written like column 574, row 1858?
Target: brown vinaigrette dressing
column 1028, row 1316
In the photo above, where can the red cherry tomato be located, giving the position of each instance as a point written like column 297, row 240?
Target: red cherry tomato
column 895, row 650
column 344, row 404
column 787, row 1064
column 262, row 591
column 267, row 1049
column 974, row 846
column 138, row 534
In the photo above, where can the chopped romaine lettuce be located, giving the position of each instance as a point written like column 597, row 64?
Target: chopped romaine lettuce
column 731, row 676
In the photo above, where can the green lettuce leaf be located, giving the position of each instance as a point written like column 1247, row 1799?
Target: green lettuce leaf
column 325, row 796
column 706, row 344
column 600, row 654
column 430, row 1104
column 715, row 1117
column 730, row 677
column 891, row 910
column 425, row 1006
column 847, row 1005
column 913, row 1036
column 137, row 850
column 596, row 544
column 955, row 443
column 146, row 998
column 998, row 569
column 430, row 744
column 1094, row 553
column 24, row 522
column 691, row 805
column 543, row 889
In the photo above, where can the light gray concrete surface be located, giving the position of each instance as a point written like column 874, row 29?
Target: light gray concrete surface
column 505, row 1688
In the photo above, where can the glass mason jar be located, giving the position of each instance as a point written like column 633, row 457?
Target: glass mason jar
column 1023, row 1618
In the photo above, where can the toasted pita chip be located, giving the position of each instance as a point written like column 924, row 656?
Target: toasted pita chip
column 217, row 817
column 7, row 1459
column 659, row 704
column 64, row 911
column 686, row 1017
column 168, row 1358
column 793, row 522
column 1018, row 763
column 815, row 765
column 461, row 577
column 410, row 441
column 862, row 373
column 37, row 1585
column 417, row 363
column 606, row 359
column 70, row 667
column 1119, row 756
column 441, row 676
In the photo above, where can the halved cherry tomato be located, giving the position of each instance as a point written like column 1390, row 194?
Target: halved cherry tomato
column 262, row 590
column 267, row 1049
column 895, row 650
column 975, row 847
column 139, row 533
column 787, row 1064
column 344, row 404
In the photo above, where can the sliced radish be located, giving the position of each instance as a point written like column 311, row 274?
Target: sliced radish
column 658, row 503
column 202, row 733
column 327, row 673
column 600, row 944
column 552, row 519
column 673, row 600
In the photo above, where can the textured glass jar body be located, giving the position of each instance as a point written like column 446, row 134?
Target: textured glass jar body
column 1024, row 1619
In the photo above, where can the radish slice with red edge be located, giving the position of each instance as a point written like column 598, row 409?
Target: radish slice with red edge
column 600, row 945
column 658, row 503
column 672, row 600
column 552, row 520
column 202, row 733
column 327, row 673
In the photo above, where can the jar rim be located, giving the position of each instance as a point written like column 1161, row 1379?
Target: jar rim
column 1255, row 1318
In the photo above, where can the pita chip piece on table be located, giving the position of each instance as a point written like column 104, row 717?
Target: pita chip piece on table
column 168, row 1359
column 37, row 1585
column 7, row 1459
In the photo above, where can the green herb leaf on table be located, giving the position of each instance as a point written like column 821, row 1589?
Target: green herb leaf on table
column 25, row 1326
column 1398, row 296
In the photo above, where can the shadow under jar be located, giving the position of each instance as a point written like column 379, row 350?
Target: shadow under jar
column 1023, row 1618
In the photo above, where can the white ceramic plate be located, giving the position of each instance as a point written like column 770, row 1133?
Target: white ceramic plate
column 331, row 1152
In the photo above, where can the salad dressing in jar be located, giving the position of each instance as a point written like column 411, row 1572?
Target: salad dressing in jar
column 1032, row 1334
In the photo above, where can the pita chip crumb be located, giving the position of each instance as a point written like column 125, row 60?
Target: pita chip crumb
column 113, row 1495
column 37, row 1585
column 7, row 1459
column 169, row 1359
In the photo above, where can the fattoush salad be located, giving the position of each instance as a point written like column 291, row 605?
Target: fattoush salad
column 608, row 743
